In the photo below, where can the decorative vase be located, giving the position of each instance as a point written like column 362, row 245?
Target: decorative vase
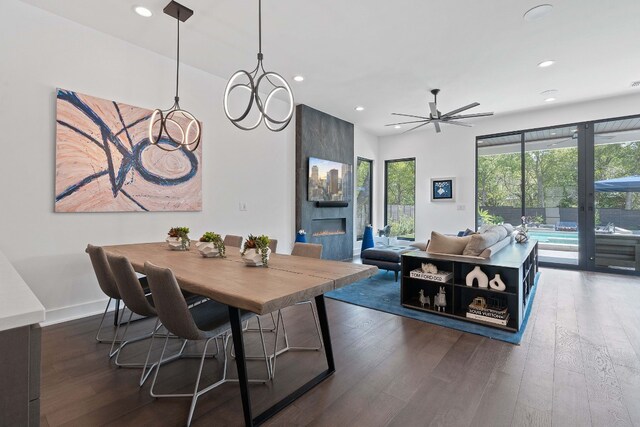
column 178, row 243
column 207, row 249
column 367, row 238
column 497, row 284
column 479, row 275
column 521, row 236
column 253, row 257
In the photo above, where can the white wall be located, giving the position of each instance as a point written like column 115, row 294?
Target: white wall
column 452, row 153
column 40, row 52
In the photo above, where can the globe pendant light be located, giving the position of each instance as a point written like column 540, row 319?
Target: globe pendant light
column 250, row 81
column 175, row 128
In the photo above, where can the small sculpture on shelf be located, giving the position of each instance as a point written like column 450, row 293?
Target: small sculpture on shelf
column 429, row 268
column 497, row 284
column 440, row 300
column 479, row 275
column 424, row 300
column 522, row 232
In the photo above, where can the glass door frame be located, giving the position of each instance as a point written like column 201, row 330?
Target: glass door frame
column 582, row 221
column 586, row 191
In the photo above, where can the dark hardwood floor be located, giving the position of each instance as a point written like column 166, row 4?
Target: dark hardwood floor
column 578, row 365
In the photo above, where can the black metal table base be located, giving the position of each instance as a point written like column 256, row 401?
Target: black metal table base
column 238, row 343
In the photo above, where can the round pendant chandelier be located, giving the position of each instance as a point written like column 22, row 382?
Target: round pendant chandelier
column 175, row 128
column 253, row 82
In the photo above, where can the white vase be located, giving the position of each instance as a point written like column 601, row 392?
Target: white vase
column 253, row 257
column 479, row 275
column 207, row 249
column 497, row 284
column 176, row 244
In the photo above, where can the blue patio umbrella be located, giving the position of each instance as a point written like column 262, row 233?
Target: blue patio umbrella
column 627, row 184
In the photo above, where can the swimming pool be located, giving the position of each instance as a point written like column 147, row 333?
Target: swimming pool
column 555, row 237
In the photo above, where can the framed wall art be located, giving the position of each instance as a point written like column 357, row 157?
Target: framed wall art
column 443, row 189
column 105, row 162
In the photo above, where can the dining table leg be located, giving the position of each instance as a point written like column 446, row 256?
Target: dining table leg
column 236, row 330
column 238, row 344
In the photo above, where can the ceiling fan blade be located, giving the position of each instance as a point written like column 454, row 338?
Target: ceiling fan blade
column 434, row 109
column 468, row 116
column 409, row 115
column 406, row 123
column 467, row 125
column 416, row 127
column 437, row 125
column 459, row 110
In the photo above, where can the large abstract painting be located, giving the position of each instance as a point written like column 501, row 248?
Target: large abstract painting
column 105, row 162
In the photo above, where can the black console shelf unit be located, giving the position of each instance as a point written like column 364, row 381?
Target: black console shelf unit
column 517, row 265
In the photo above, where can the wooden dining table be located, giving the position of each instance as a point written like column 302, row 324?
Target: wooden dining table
column 261, row 290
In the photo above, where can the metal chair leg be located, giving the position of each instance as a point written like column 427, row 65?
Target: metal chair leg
column 287, row 346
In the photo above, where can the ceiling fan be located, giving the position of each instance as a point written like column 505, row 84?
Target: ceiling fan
column 436, row 117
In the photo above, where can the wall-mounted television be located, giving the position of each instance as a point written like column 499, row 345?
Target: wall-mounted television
column 329, row 181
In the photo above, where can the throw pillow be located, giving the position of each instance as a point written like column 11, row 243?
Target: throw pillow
column 480, row 242
column 441, row 244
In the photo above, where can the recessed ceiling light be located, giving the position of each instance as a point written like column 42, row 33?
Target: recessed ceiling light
column 549, row 99
column 547, row 63
column 397, row 127
column 359, row 108
column 298, row 78
column 142, row 11
column 537, row 12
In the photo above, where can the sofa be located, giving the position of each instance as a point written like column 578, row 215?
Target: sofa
column 488, row 241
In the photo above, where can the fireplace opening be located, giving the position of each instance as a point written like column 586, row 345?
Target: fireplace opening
column 329, row 227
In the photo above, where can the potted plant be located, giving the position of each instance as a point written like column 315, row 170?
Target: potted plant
column 211, row 245
column 255, row 250
column 178, row 239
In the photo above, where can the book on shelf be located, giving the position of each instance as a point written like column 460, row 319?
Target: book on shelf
column 502, row 322
column 440, row 276
column 494, row 314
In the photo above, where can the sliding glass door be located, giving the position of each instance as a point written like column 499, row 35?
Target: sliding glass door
column 400, row 197
column 579, row 191
column 552, row 193
column 615, row 195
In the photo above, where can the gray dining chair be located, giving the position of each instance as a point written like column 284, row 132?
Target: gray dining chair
column 204, row 322
column 139, row 303
column 273, row 245
column 232, row 240
column 309, row 250
column 107, row 284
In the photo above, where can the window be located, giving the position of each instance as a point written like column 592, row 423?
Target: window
column 400, row 196
column 364, row 188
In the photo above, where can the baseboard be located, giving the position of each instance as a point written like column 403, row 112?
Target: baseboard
column 77, row 311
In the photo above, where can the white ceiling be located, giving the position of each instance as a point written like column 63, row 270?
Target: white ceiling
column 386, row 56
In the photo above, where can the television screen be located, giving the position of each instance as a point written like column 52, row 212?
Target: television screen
column 329, row 181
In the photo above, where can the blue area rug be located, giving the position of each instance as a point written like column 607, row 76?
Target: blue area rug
column 382, row 293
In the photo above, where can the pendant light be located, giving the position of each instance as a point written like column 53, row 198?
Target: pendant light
column 167, row 128
column 253, row 81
